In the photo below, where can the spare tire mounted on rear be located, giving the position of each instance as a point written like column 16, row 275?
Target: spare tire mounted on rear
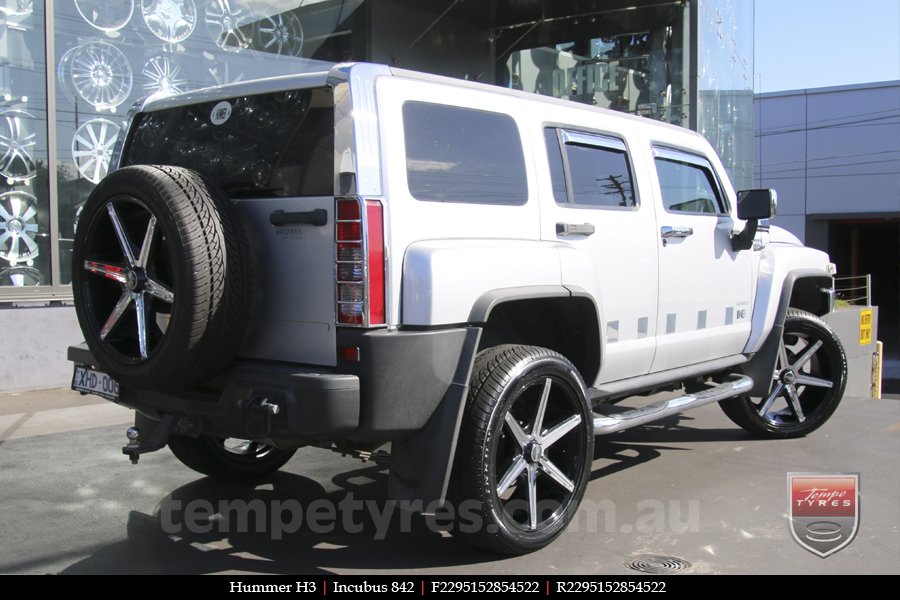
column 160, row 281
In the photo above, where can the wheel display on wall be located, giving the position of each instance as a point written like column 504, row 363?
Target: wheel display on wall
column 101, row 74
column 229, row 24
column 18, row 227
column 222, row 74
column 172, row 21
column 21, row 276
column 64, row 73
column 17, row 140
column 106, row 15
column 163, row 75
column 279, row 34
column 92, row 147
column 16, row 10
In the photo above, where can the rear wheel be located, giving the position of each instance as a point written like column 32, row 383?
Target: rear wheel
column 228, row 458
column 808, row 382
column 524, row 452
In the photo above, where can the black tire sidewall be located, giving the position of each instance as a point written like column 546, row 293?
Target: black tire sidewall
column 120, row 366
column 494, row 389
column 178, row 359
column 533, row 374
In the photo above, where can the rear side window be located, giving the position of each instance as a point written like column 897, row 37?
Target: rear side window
column 589, row 170
column 458, row 154
column 687, row 186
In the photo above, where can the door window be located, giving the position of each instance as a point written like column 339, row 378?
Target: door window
column 687, row 186
column 589, row 170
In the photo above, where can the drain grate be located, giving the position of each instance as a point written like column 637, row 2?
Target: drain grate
column 657, row 564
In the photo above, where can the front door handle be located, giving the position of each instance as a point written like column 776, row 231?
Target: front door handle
column 571, row 229
column 667, row 232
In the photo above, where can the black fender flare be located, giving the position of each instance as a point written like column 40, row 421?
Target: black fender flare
column 762, row 365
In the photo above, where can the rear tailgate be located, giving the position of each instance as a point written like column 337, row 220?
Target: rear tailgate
column 293, row 316
column 268, row 152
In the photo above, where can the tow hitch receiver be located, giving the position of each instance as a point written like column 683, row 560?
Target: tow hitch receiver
column 149, row 437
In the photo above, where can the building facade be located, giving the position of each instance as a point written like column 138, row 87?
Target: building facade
column 70, row 70
column 833, row 155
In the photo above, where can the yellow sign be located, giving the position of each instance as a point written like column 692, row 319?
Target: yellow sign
column 865, row 327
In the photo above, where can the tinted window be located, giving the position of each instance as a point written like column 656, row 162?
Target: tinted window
column 463, row 155
column 279, row 144
column 598, row 175
column 687, row 187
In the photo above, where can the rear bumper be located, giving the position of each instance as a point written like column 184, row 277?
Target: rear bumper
column 389, row 395
column 310, row 403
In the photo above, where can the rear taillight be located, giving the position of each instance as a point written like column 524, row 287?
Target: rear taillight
column 359, row 255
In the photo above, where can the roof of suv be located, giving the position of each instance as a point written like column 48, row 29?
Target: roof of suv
column 342, row 70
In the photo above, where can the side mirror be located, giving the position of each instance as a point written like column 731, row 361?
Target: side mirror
column 757, row 204
column 753, row 205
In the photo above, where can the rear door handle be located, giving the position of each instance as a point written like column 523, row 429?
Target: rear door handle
column 572, row 229
column 317, row 217
column 667, row 232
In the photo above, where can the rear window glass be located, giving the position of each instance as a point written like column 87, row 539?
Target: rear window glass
column 458, row 154
column 279, row 144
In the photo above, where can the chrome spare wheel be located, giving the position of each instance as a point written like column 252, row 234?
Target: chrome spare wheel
column 157, row 276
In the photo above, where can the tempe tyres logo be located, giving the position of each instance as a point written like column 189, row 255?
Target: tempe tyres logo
column 823, row 510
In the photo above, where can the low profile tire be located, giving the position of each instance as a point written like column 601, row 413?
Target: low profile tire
column 524, row 452
column 159, row 276
column 809, row 380
column 228, row 459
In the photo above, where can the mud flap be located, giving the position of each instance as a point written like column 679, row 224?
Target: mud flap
column 421, row 465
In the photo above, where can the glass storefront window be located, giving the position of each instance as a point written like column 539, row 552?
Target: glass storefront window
column 725, row 82
column 631, row 62
column 110, row 53
column 60, row 114
column 25, row 248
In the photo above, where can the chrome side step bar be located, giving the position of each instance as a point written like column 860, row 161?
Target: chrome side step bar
column 735, row 385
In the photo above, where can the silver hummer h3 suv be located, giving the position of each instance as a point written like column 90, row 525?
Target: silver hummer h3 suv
column 472, row 275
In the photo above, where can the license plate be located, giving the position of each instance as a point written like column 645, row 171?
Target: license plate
column 89, row 381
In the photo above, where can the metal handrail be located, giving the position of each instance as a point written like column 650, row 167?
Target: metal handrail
column 846, row 290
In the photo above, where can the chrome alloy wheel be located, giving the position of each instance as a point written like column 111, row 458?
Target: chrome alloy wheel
column 18, row 228
column 92, row 148
column 539, row 454
column 798, row 371
column 248, row 449
column 808, row 380
column 227, row 21
column 172, row 21
column 136, row 322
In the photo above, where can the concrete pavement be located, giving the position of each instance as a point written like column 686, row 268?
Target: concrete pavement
column 693, row 487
